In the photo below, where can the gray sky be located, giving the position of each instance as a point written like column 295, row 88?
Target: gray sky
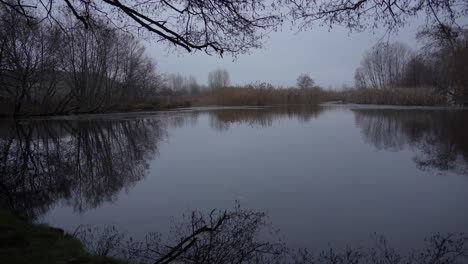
column 330, row 57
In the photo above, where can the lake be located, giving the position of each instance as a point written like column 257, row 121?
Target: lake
column 326, row 175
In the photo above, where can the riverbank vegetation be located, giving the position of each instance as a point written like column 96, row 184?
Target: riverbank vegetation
column 22, row 243
column 422, row 96
column 389, row 74
column 216, row 237
column 259, row 95
column 62, row 62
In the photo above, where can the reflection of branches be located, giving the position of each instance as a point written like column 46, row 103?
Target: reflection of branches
column 446, row 249
column 83, row 162
column 199, row 227
column 438, row 138
column 234, row 237
column 217, row 237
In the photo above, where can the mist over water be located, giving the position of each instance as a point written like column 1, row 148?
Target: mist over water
column 326, row 175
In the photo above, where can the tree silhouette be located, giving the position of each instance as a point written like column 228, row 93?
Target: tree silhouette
column 227, row 26
column 359, row 15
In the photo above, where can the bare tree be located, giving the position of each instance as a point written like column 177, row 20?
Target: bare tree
column 218, row 79
column 363, row 14
column 28, row 63
column 446, row 53
column 228, row 26
column 417, row 72
column 192, row 85
column 360, row 78
column 383, row 65
column 236, row 26
column 47, row 70
column 304, row 81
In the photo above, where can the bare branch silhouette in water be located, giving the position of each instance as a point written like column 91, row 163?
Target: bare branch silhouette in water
column 216, row 237
column 239, row 236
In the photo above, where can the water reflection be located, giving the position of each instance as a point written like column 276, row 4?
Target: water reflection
column 223, row 119
column 438, row 138
column 83, row 163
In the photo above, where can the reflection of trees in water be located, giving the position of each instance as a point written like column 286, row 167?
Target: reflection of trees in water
column 182, row 119
column 438, row 138
column 222, row 119
column 83, row 163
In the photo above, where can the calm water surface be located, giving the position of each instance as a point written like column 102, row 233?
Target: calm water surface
column 330, row 175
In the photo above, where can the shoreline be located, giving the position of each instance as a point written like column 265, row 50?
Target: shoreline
column 221, row 107
column 24, row 242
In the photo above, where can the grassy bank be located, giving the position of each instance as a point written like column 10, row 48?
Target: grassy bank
column 22, row 242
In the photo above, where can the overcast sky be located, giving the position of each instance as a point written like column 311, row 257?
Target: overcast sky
column 330, row 57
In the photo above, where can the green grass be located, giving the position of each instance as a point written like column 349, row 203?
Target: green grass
column 22, row 242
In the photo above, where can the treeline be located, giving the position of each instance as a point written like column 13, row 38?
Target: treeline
column 59, row 68
column 389, row 74
column 178, row 84
column 436, row 74
column 50, row 68
column 409, row 96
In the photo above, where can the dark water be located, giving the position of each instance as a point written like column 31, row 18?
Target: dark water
column 326, row 175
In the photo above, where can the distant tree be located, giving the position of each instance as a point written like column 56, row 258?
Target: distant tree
column 218, row 79
column 304, row 81
column 176, row 82
column 192, row 85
